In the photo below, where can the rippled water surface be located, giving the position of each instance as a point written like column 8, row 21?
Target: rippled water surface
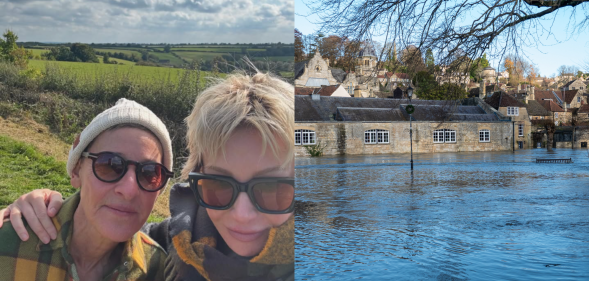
column 460, row 216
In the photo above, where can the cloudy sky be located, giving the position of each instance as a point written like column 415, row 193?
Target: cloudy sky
column 150, row 21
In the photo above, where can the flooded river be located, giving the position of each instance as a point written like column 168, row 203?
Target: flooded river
column 476, row 216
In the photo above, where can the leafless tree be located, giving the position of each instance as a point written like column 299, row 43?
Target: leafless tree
column 473, row 26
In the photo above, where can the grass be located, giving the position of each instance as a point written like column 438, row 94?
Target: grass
column 287, row 74
column 120, row 61
column 283, row 58
column 167, row 56
column 189, row 56
column 24, row 168
column 134, row 72
column 124, row 51
column 217, row 49
column 37, row 52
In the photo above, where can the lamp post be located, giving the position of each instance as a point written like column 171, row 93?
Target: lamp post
column 409, row 94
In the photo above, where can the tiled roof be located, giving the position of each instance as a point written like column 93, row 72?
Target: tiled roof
column 541, row 95
column 338, row 74
column 550, row 105
column 376, row 109
column 300, row 68
column 402, row 75
column 325, row 91
column 501, row 99
column 304, row 91
column 567, row 96
column 370, row 114
column 536, row 109
column 569, row 83
column 584, row 109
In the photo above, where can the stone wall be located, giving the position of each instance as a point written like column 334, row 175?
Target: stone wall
column 564, row 117
column 317, row 67
column 348, row 137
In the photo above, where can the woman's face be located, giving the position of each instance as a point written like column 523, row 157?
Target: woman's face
column 119, row 209
column 243, row 227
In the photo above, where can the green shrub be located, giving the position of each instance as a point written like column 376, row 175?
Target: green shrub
column 315, row 150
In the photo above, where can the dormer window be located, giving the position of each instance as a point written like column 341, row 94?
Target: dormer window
column 512, row 111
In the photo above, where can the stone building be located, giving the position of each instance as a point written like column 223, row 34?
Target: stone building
column 571, row 98
column 379, row 126
column 365, row 82
column 314, row 73
column 517, row 111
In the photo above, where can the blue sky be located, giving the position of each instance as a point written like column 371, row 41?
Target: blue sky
column 574, row 51
column 149, row 21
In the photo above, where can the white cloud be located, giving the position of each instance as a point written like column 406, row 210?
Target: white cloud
column 149, row 21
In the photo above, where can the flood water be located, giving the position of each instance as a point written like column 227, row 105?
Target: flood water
column 461, row 216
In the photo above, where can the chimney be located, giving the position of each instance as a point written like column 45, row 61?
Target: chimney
column 531, row 96
column 315, row 95
column 482, row 89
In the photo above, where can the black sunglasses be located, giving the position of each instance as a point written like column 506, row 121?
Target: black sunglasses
column 269, row 195
column 111, row 167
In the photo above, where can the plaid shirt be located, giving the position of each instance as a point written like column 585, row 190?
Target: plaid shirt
column 143, row 259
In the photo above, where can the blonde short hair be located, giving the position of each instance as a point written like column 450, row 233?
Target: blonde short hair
column 261, row 102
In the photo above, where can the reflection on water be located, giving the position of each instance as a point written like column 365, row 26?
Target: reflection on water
column 459, row 216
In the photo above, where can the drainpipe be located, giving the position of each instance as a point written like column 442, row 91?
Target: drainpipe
column 573, row 140
column 513, row 136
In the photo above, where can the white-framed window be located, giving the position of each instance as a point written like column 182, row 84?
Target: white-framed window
column 520, row 130
column 512, row 111
column 484, row 135
column 555, row 114
column 578, row 99
column 351, row 89
column 305, row 137
column 376, row 136
column 444, row 135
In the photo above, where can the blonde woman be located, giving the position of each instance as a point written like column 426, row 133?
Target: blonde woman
column 233, row 220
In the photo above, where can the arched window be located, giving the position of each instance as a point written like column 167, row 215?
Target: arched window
column 376, row 136
column 444, row 135
column 366, row 62
column 304, row 137
column 484, row 136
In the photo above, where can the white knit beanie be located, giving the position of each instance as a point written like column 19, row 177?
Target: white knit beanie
column 123, row 112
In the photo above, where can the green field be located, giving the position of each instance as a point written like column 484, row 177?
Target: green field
column 189, row 56
column 120, row 61
column 166, row 56
column 209, row 49
column 284, row 58
column 37, row 52
column 122, row 50
column 145, row 73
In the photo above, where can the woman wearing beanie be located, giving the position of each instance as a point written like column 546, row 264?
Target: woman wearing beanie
column 233, row 220
column 120, row 162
